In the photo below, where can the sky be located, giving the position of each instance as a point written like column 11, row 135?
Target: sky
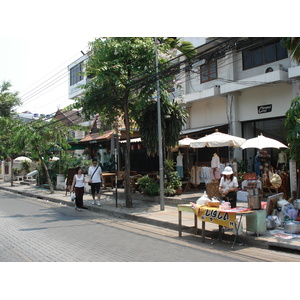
column 39, row 39
column 37, row 69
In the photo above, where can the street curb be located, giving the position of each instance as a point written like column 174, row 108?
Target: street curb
column 210, row 234
column 98, row 209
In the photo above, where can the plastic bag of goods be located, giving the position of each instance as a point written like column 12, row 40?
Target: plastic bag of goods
column 203, row 199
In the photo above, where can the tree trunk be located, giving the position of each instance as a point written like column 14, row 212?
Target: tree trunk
column 47, row 175
column 11, row 173
column 298, row 187
column 128, row 197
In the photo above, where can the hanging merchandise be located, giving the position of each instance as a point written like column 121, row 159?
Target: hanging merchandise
column 195, row 175
column 276, row 181
column 215, row 167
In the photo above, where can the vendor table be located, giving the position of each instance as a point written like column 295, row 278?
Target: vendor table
column 108, row 179
column 187, row 208
column 224, row 218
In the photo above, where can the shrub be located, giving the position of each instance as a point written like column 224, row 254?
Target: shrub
column 148, row 186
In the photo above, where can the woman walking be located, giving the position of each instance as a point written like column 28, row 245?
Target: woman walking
column 78, row 187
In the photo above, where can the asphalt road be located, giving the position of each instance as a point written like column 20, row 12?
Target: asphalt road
column 34, row 230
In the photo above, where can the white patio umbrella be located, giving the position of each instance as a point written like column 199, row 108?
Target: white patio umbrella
column 218, row 139
column 262, row 142
column 185, row 142
column 54, row 158
column 22, row 158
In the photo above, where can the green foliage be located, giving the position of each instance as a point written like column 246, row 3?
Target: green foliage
column 293, row 46
column 292, row 124
column 184, row 47
column 39, row 137
column 8, row 100
column 174, row 117
column 16, row 171
column 173, row 180
column 68, row 162
column 6, row 146
column 152, row 189
column 25, row 165
column 148, row 185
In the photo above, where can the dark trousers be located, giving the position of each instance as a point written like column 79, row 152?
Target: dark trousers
column 79, row 196
column 231, row 197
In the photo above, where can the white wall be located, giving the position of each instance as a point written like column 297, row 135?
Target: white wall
column 279, row 95
column 208, row 112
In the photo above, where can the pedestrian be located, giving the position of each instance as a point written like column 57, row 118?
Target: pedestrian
column 95, row 172
column 78, row 188
column 229, row 186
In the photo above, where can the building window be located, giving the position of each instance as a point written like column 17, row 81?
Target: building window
column 75, row 74
column 263, row 54
column 208, row 71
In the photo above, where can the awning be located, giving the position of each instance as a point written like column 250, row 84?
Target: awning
column 77, row 147
column 199, row 129
column 136, row 140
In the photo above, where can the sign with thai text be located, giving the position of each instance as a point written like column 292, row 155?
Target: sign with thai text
column 262, row 109
column 213, row 215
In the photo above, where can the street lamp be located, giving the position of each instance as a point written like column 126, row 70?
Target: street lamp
column 160, row 150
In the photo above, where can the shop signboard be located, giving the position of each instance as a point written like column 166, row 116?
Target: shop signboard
column 262, row 109
column 213, row 215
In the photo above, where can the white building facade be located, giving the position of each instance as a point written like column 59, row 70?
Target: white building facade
column 243, row 84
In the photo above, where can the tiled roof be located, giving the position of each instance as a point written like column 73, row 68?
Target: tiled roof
column 96, row 137
column 69, row 117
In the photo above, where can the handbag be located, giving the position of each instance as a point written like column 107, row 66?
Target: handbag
column 89, row 183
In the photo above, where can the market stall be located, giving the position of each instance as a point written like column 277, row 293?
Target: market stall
column 211, row 172
column 270, row 176
column 215, row 215
column 283, row 217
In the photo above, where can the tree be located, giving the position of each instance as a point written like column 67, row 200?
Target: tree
column 8, row 100
column 293, row 46
column 292, row 121
column 292, row 124
column 37, row 137
column 122, row 74
column 6, row 147
column 174, row 117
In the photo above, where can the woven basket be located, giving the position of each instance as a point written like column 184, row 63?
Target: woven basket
column 212, row 190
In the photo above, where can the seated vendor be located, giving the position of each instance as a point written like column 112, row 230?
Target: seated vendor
column 228, row 186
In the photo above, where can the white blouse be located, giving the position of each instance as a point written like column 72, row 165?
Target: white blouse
column 79, row 181
column 226, row 184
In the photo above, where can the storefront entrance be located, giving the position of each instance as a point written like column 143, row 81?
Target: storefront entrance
column 273, row 128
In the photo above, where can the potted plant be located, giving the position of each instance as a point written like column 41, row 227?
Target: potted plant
column 173, row 182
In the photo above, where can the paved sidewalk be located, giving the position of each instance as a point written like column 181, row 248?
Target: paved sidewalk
column 146, row 210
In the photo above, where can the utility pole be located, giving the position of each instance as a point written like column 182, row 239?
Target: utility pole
column 160, row 150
